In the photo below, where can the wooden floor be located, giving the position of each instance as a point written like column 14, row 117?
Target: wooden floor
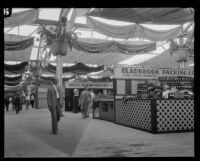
column 28, row 134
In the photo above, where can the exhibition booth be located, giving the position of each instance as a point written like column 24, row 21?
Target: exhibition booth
column 150, row 99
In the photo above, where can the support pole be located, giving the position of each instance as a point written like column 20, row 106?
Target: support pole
column 37, row 74
column 181, row 42
column 59, row 73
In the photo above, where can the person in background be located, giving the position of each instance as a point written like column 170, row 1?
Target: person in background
column 100, row 95
column 75, row 101
column 32, row 100
column 22, row 100
column 84, row 101
column 6, row 103
column 90, row 107
column 11, row 101
column 17, row 101
column 27, row 101
column 53, row 105
column 166, row 91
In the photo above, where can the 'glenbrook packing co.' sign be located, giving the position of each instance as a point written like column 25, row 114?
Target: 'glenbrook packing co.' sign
column 149, row 73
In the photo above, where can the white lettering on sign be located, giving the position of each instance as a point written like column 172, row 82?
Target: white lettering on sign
column 102, row 85
column 149, row 73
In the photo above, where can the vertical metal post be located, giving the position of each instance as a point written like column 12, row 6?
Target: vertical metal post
column 37, row 74
column 59, row 73
column 153, row 117
column 181, row 42
column 36, row 86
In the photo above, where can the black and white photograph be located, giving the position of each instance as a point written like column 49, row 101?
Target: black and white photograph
column 99, row 82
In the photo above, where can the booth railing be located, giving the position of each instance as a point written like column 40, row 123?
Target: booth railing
column 156, row 115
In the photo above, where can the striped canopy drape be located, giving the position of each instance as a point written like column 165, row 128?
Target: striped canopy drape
column 16, row 68
column 78, row 68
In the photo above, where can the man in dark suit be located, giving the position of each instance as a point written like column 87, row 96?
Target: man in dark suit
column 17, row 101
column 53, row 104
column 6, row 102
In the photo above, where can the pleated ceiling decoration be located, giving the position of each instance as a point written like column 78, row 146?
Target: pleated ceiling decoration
column 21, row 18
column 78, row 68
column 17, row 48
column 16, row 78
column 16, row 68
column 133, row 31
column 145, row 15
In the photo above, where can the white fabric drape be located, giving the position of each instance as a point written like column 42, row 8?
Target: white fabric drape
column 21, row 18
column 131, row 31
column 18, row 55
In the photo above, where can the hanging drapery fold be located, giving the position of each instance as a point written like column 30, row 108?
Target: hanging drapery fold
column 11, row 83
column 132, row 31
column 16, row 68
column 156, row 35
column 126, row 31
column 91, row 48
column 17, row 78
column 48, row 78
column 18, row 45
column 21, row 18
column 17, row 48
column 113, row 46
column 78, row 68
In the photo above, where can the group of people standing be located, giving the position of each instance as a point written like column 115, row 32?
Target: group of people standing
column 55, row 104
column 17, row 101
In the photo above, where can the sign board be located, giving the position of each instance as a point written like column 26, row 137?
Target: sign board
column 106, row 85
column 121, row 72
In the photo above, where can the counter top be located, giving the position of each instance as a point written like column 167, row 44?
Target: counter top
column 103, row 99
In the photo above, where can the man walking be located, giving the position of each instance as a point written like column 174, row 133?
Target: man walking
column 90, row 107
column 17, row 101
column 32, row 100
column 84, row 102
column 53, row 105
column 27, row 101
column 6, row 102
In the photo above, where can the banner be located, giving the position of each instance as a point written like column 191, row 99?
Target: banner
column 107, row 85
column 121, row 72
column 21, row 18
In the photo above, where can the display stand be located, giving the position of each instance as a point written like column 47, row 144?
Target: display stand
column 152, row 115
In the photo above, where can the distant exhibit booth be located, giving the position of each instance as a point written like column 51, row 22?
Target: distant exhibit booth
column 70, row 95
column 138, row 100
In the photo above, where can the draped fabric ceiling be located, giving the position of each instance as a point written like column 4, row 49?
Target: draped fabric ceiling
column 17, row 48
column 16, row 68
column 146, row 15
column 21, row 18
column 109, row 52
column 78, row 68
column 110, row 58
column 164, row 60
column 135, row 15
column 12, row 81
column 133, row 30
